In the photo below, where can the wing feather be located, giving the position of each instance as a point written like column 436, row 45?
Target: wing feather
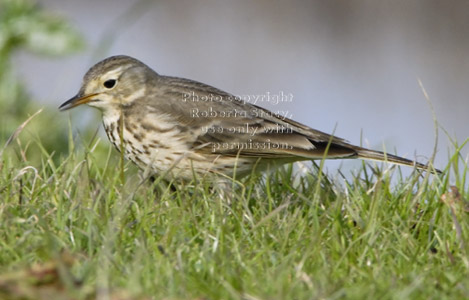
column 229, row 126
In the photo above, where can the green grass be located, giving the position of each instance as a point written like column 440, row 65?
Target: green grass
column 282, row 236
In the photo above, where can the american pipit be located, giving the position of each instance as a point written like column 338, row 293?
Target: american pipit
column 174, row 127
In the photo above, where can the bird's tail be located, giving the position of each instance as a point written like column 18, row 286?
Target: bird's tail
column 386, row 157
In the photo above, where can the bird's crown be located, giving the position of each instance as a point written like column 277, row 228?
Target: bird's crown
column 117, row 80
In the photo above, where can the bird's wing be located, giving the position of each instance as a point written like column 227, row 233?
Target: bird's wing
column 226, row 125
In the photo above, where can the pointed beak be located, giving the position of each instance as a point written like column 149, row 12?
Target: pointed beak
column 75, row 101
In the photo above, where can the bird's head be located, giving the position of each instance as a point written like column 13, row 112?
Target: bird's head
column 112, row 83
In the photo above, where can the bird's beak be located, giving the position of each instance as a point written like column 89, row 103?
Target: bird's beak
column 75, row 101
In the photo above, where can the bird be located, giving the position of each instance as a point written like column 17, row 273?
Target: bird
column 179, row 128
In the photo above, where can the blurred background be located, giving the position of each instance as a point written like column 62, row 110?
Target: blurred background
column 353, row 67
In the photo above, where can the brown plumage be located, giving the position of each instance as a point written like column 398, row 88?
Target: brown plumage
column 174, row 126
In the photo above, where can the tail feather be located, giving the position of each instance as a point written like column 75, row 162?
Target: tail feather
column 381, row 156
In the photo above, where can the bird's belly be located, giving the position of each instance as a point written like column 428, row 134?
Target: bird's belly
column 147, row 150
column 167, row 154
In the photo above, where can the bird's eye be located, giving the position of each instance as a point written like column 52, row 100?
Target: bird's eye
column 110, row 83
